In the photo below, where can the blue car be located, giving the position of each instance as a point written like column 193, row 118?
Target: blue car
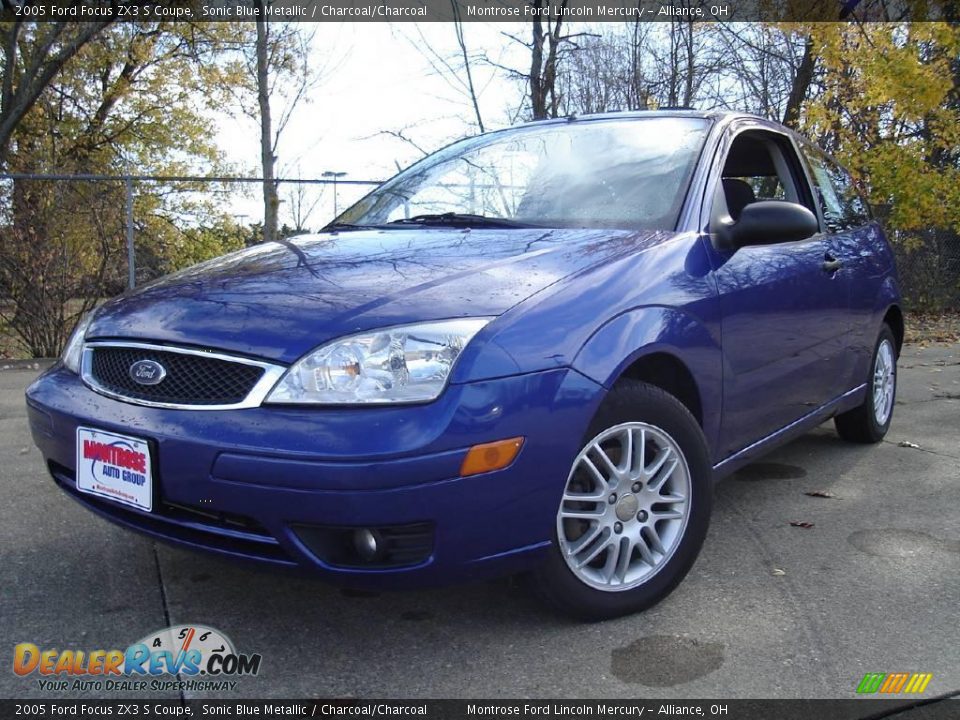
column 534, row 350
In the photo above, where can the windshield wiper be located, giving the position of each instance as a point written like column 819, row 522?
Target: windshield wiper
column 343, row 226
column 460, row 220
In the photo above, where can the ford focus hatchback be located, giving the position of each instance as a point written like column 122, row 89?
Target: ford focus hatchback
column 534, row 350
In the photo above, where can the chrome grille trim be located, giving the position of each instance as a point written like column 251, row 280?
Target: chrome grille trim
column 271, row 375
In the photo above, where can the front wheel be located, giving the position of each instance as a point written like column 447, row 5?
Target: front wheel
column 635, row 508
column 869, row 422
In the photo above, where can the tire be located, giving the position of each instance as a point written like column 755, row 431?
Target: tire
column 869, row 422
column 643, row 565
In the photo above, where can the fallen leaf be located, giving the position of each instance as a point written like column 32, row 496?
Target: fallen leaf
column 926, row 327
column 778, row 572
column 820, row 494
column 907, row 443
column 801, row 524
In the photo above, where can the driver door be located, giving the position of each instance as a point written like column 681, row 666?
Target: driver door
column 783, row 304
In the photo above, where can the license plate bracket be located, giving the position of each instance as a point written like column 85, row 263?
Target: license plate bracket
column 115, row 467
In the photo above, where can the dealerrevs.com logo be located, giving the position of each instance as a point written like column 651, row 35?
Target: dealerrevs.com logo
column 182, row 657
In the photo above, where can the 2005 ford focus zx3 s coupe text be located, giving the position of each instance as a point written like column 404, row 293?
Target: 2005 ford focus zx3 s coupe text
column 534, row 350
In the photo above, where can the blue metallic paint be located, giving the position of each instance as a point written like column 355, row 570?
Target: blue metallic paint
column 369, row 467
column 774, row 345
column 279, row 301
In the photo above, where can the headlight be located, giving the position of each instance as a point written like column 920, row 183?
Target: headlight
column 405, row 364
column 73, row 350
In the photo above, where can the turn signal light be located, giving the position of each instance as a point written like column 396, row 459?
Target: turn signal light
column 490, row 456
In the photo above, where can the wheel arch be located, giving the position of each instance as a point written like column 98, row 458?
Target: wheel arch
column 887, row 307
column 894, row 318
column 669, row 373
column 666, row 347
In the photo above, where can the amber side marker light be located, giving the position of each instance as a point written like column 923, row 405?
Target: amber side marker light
column 490, row 456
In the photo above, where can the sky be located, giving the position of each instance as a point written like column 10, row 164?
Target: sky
column 375, row 78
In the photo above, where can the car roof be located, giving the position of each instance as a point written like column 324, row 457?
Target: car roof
column 715, row 115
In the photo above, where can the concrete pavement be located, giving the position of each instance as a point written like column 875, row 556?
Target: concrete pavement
column 769, row 610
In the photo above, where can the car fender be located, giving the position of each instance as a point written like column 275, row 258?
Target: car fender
column 888, row 295
column 642, row 331
column 869, row 319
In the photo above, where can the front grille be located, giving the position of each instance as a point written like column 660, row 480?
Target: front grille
column 190, row 379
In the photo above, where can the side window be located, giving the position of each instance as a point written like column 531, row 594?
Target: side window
column 842, row 206
column 765, row 187
column 762, row 166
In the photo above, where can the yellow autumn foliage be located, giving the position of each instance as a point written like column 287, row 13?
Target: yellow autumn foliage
column 888, row 107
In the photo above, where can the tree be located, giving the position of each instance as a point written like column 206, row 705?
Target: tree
column 33, row 55
column 800, row 85
column 887, row 108
column 215, row 236
column 128, row 100
column 764, row 68
column 267, row 143
column 549, row 46
column 543, row 67
column 302, row 200
column 273, row 65
column 462, row 44
column 677, row 63
column 608, row 73
column 456, row 72
column 884, row 100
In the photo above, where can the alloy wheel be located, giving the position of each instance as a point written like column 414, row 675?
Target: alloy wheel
column 625, row 506
column 884, row 382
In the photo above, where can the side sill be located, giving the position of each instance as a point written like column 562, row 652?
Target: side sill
column 788, row 432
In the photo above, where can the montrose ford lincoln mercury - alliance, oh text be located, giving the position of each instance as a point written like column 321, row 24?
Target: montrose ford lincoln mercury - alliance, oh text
column 532, row 350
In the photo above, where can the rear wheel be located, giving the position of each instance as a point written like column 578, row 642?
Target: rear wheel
column 635, row 508
column 869, row 422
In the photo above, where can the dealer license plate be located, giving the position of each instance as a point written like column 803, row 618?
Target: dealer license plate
column 116, row 467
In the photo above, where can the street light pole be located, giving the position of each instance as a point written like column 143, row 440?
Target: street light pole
column 334, row 175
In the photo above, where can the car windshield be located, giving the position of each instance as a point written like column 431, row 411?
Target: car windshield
column 624, row 173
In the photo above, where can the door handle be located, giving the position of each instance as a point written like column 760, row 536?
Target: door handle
column 831, row 264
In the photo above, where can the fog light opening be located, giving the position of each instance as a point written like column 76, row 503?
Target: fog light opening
column 368, row 544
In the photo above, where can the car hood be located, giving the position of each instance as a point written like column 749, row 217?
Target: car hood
column 279, row 300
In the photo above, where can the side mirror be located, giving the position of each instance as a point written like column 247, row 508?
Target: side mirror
column 769, row 221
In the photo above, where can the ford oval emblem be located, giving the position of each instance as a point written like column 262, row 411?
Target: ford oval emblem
column 147, row 372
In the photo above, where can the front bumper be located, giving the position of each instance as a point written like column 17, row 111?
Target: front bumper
column 244, row 483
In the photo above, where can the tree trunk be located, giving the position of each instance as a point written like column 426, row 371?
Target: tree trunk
column 550, row 70
column 800, row 86
column 270, row 199
column 673, row 90
column 56, row 46
column 635, row 101
column 691, row 61
column 538, row 98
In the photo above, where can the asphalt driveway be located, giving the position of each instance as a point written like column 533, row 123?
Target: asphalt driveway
column 769, row 610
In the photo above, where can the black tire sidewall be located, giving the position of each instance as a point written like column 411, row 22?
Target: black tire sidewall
column 633, row 401
column 876, row 429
